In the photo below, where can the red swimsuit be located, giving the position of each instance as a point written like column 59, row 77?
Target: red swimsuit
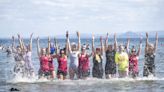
column 62, row 61
column 84, row 63
column 44, row 63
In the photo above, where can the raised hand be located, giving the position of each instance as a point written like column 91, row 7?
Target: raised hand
column 156, row 35
column 78, row 34
column 146, row 34
column 67, row 34
column 31, row 35
column 114, row 35
column 93, row 36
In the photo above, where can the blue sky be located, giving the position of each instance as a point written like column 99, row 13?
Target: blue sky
column 54, row 17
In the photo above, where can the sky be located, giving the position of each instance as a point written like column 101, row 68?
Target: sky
column 54, row 17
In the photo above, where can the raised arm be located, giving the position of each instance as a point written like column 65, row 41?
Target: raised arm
column 106, row 42
column 139, row 49
column 48, row 51
column 102, row 46
column 30, row 43
column 79, row 42
column 38, row 47
column 68, row 42
column 127, row 44
column 20, row 41
column 56, row 45
column 93, row 40
column 13, row 42
column 156, row 43
column 147, row 42
column 115, row 42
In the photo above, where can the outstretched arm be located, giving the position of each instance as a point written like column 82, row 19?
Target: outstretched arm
column 139, row 49
column 106, row 42
column 156, row 43
column 102, row 45
column 38, row 47
column 115, row 42
column 30, row 43
column 79, row 42
column 68, row 42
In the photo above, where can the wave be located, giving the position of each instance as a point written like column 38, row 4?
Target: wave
column 88, row 81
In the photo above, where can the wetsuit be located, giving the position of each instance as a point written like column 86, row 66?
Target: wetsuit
column 149, row 66
column 97, row 70
column 62, row 66
column 110, row 66
column 133, row 66
column 84, row 70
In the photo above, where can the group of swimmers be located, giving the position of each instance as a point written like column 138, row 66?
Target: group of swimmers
column 119, row 58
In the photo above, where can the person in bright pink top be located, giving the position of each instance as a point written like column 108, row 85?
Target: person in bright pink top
column 83, row 68
column 133, row 61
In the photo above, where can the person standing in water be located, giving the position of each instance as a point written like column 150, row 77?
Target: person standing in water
column 27, row 56
column 122, row 60
column 133, row 61
column 110, row 50
column 97, row 70
column 62, row 61
column 74, row 52
column 84, row 70
column 19, row 67
column 44, row 58
column 150, row 50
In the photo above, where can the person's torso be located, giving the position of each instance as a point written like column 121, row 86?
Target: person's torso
column 74, row 58
column 84, row 61
column 110, row 56
column 44, row 62
column 149, row 59
column 62, row 63
column 133, row 62
column 97, row 61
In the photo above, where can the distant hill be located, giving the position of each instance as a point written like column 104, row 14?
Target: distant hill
column 129, row 34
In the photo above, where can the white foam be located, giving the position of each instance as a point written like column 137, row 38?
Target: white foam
column 89, row 81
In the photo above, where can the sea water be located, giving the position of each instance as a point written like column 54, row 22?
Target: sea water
column 151, row 84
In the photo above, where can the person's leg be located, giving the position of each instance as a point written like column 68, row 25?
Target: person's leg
column 71, row 73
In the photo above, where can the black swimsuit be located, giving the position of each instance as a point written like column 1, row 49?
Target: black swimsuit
column 110, row 66
column 97, row 70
